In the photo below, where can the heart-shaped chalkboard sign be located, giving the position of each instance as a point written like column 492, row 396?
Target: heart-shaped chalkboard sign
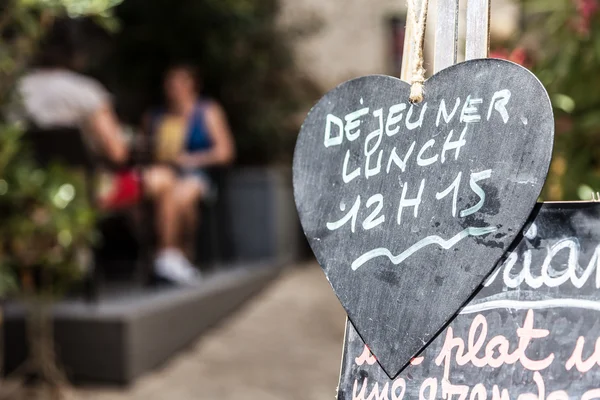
column 408, row 207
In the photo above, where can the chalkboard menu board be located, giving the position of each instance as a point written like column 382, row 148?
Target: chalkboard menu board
column 532, row 331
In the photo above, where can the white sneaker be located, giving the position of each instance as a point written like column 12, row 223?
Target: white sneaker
column 173, row 266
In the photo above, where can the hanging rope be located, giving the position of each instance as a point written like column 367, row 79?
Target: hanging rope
column 418, row 72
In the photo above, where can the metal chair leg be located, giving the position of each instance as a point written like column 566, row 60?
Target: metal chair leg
column 145, row 270
column 214, row 236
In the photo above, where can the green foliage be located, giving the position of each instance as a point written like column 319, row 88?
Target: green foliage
column 47, row 224
column 247, row 63
column 564, row 40
column 100, row 10
column 73, row 8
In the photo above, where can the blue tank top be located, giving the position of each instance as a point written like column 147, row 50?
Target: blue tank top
column 197, row 136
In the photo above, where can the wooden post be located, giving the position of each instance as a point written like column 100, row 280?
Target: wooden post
column 446, row 34
column 478, row 29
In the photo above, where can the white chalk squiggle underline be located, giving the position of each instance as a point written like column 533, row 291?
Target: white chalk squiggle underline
column 429, row 240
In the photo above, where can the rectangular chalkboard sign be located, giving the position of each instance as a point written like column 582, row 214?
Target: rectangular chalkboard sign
column 532, row 331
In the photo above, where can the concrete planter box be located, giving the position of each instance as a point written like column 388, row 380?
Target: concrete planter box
column 132, row 330
column 263, row 219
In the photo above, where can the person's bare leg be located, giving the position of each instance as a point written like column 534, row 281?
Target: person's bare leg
column 160, row 183
column 189, row 223
column 170, row 263
column 187, row 194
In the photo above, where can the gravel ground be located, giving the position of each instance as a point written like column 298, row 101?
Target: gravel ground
column 285, row 344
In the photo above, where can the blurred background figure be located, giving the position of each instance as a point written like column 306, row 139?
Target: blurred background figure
column 191, row 133
column 54, row 95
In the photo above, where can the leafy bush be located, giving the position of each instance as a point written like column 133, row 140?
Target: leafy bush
column 562, row 38
column 47, row 223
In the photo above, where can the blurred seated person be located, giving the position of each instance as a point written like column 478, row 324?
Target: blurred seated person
column 55, row 96
column 192, row 133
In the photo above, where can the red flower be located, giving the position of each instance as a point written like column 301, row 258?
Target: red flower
column 586, row 9
column 499, row 53
column 518, row 55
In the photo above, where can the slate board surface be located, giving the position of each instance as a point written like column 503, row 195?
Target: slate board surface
column 409, row 207
column 548, row 284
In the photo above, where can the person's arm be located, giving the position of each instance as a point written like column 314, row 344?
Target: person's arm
column 104, row 125
column 222, row 151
